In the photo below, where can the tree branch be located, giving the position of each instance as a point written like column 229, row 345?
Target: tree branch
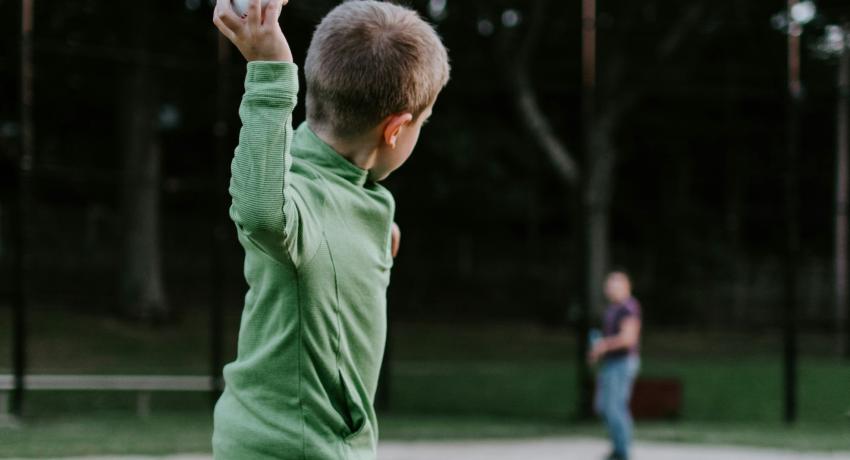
column 674, row 38
column 525, row 99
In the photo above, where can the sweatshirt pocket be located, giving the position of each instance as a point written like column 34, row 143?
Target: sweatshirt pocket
column 355, row 418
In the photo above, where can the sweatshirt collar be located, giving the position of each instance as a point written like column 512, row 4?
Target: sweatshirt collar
column 323, row 155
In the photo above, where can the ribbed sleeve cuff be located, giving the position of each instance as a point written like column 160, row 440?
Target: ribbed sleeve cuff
column 268, row 76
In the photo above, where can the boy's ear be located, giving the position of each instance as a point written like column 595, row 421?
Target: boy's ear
column 393, row 126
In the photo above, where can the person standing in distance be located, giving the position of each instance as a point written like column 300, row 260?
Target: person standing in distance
column 619, row 358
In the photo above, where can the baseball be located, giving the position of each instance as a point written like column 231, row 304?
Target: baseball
column 241, row 6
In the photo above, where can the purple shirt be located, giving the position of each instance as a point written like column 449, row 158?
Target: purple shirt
column 614, row 316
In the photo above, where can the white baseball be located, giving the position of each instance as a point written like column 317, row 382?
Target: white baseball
column 241, row 6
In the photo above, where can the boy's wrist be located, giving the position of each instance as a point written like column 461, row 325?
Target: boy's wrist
column 265, row 70
column 272, row 59
column 279, row 56
column 277, row 76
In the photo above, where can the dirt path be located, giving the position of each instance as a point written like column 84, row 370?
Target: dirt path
column 552, row 449
column 582, row 449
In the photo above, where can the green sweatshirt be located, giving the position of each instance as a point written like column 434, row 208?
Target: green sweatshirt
column 316, row 234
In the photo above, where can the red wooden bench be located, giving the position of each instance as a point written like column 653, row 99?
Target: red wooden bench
column 657, row 398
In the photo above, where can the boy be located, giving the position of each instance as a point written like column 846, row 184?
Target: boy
column 620, row 357
column 316, row 226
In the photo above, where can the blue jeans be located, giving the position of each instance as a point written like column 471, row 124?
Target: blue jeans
column 613, row 392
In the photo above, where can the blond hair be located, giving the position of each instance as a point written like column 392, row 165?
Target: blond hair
column 368, row 60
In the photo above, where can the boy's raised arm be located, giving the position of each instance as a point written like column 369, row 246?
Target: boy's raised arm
column 259, row 184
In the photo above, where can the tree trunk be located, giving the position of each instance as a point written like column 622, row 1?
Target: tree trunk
column 22, row 204
column 594, row 184
column 841, row 316
column 792, row 243
column 143, row 293
column 738, row 257
column 142, row 290
column 593, row 187
column 598, row 189
column 736, row 167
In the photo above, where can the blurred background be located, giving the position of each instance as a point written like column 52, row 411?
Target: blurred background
column 690, row 159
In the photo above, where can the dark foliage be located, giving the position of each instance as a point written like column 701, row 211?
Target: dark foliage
column 696, row 211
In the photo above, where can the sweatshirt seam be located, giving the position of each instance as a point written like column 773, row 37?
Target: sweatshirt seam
column 342, row 388
column 300, row 364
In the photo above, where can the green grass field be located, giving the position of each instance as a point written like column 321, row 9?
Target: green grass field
column 447, row 382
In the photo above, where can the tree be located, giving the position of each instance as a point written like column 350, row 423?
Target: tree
column 142, row 289
column 841, row 185
column 593, row 182
column 835, row 43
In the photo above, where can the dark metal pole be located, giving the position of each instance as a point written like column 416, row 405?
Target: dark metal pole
column 588, row 103
column 792, row 231
column 841, row 197
column 220, row 132
column 22, row 202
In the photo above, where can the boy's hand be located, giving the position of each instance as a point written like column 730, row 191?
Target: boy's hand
column 258, row 36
